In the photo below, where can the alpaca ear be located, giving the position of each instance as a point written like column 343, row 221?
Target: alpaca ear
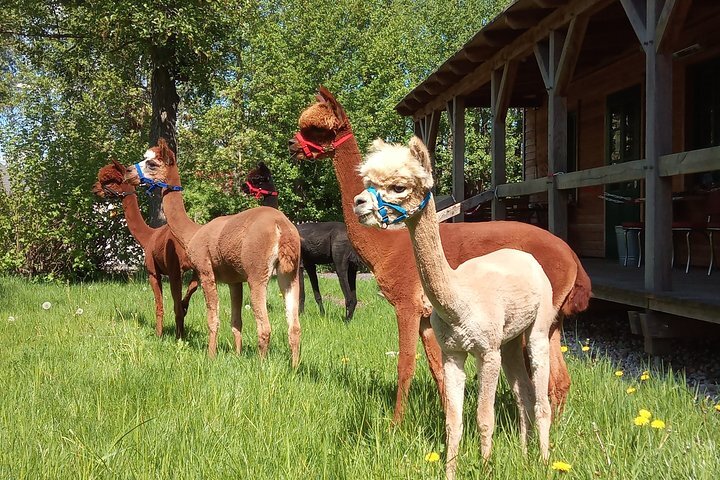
column 166, row 152
column 420, row 152
column 118, row 166
column 324, row 95
column 377, row 145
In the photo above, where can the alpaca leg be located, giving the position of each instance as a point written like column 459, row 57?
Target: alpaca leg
column 352, row 277
column 408, row 319
column 513, row 363
column 538, row 347
column 212, row 304
column 454, row 369
column 559, row 385
column 433, row 355
column 301, row 307
column 342, row 272
column 156, row 285
column 176, row 292
column 312, row 275
column 258, row 301
column 488, row 371
column 236, row 295
column 289, row 286
column 192, row 286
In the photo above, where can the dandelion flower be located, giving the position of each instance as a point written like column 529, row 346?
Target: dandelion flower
column 659, row 424
column 344, row 359
column 561, row 466
column 717, row 407
column 417, row 356
column 247, row 307
column 79, row 311
column 11, row 318
column 645, row 413
column 563, row 348
column 630, row 390
column 640, row 421
column 619, row 373
column 46, row 305
column 645, row 376
column 585, row 348
column 432, row 457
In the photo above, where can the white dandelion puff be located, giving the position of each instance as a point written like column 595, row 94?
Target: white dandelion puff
column 46, row 305
column 79, row 311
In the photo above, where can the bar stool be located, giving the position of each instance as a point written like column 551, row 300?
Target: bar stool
column 687, row 228
column 713, row 223
column 633, row 227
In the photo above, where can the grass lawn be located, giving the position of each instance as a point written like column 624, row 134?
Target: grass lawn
column 88, row 391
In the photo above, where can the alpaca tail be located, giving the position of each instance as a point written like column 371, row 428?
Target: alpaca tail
column 579, row 297
column 288, row 259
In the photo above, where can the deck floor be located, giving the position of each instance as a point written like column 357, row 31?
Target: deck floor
column 694, row 294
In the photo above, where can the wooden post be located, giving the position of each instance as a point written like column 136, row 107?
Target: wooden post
column 651, row 27
column 501, row 84
column 456, row 114
column 427, row 129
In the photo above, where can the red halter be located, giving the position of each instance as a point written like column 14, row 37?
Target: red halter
column 259, row 192
column 313, row 150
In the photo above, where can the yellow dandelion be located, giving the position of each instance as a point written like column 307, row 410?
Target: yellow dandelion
column 619, row 373
column 417, row 356
column 640, row 421
column 561, row 466
column 630, row 390
column 432, row 457
column 644, row 377
column 717, row 407
column 659, row 424
column 646, row 372
column 344, row 359
column 563, row 348
column 585, row 348
column 645, row 413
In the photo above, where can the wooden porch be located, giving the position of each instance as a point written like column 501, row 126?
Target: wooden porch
column 694, row 295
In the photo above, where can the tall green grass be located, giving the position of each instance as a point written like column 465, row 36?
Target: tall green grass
column 92, row 393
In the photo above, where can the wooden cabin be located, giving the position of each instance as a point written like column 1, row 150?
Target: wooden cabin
column 621, row 104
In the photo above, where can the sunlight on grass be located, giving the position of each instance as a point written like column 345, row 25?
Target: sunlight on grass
column 89, row 391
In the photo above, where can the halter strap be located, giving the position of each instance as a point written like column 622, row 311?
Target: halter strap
column 258, row 192
column 153, row 184
column 404, row 214
column 113, row 193
column 313, row 150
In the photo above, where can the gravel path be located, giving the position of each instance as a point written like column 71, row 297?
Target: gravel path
column 608, row 334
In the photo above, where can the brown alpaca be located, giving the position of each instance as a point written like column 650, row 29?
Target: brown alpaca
column 325, row 131
column 245, row 247
column 163, row 253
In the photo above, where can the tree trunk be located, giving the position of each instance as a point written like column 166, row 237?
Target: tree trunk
column 165, row 102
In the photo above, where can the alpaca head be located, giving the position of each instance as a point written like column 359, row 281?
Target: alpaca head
column 111, row 181
column 320, row 123
column 400, row 176
column 157, row 163
column 258, row 181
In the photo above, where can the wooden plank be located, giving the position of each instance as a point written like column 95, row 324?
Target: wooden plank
column 694, row 161
column 457, row 114
column 465, row 205
column 636, row 13
column 542, row 56
column 501, row 92
column 519, row 48
column 620, row 172
column 570, row 52
column 432, row 133
column 557, row 142
column 528, row 187
column 670, row 24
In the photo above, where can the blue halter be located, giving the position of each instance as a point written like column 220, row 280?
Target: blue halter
column 382, row 210
column 153, row 184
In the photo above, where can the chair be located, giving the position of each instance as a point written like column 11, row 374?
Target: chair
column 713, row 223
column 628, row 227
column 687, row 228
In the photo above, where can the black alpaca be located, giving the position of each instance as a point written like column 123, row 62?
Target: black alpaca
column 321, row 243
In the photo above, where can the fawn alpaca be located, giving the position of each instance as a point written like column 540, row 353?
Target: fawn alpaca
column 483, row 307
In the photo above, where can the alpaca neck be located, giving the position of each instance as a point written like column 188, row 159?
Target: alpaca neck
column 346, row 162
column 270, row 201
column 182, row 227
column 436, row 274
column 135, row 222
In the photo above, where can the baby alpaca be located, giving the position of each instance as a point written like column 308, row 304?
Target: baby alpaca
column 484, row 307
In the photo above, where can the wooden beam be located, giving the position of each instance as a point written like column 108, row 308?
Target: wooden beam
column 570, row 52
column 524, row 19
column 465, row 205
column 636, row 13
column 528, row 187
column 620, row 172
column 694, row 161
column 499, row 94
column 499, row 38
column 456, row 113
column 519, row 48
column 478, row 54
column 502, row 91
column 432, row 133
column 670, row 24
column 542, row 56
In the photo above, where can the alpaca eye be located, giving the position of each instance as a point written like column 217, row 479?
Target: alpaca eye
column 398, row 188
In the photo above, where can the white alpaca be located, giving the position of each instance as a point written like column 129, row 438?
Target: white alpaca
column 483, row 307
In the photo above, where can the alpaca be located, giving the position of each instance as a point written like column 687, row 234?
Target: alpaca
column 163, row 253
column 482, row 307
column 321, row 243
column 325, row 131
column 245, row 247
